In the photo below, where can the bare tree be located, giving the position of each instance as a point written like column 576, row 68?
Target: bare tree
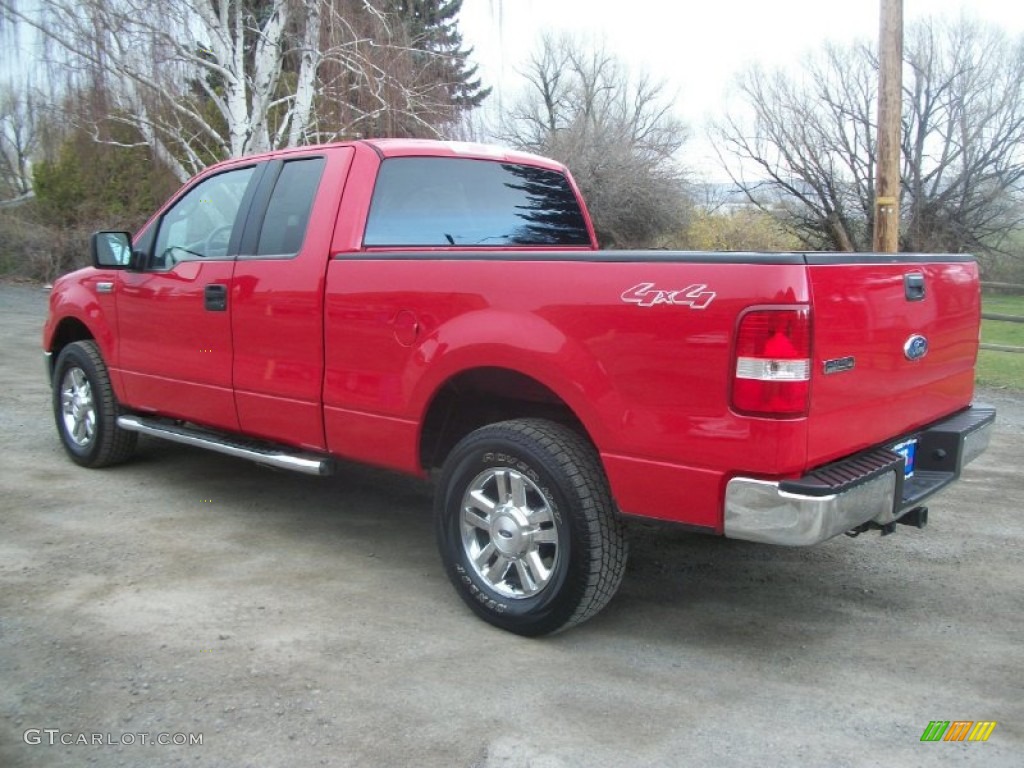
column 963, row 129
column 201, row 80
column 19, row 139
column 808, row 154
column 615, row 132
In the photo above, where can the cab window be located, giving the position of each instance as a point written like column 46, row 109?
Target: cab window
column 287, row 217
column 199, row 225
column 435, row 201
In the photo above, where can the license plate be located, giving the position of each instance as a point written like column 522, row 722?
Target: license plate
column 908, row 450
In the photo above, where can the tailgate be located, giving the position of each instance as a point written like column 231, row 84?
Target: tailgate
column 895, row 342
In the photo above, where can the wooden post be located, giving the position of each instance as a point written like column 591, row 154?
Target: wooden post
column 890, row 91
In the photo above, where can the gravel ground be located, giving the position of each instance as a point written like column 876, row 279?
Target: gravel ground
column 292, row 621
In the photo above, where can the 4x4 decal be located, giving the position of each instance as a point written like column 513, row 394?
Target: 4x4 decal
column 696, row 296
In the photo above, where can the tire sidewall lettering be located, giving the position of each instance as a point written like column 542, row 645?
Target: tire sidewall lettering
column 484, row 599
column 468, row 467
column 564, row 467
column 500, row 459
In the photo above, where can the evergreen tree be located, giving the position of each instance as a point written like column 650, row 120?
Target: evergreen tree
column 432, row 27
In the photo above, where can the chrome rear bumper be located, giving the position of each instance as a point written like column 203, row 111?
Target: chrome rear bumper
column 868, row 487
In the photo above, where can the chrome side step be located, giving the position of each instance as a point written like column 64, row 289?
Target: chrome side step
column 270, row 455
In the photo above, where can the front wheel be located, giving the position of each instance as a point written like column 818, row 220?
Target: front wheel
column 86, row 410
column 526, row 527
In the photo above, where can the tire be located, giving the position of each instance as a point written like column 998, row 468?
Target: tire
column 86, row 410
column 526, row 527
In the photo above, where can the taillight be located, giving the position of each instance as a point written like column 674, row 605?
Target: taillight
column 772, row 376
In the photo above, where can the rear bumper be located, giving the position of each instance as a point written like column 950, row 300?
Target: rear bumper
column 868, row 487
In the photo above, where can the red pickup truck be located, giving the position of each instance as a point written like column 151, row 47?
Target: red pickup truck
column 442, row 309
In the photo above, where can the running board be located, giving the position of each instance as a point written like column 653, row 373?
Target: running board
column 270, row 455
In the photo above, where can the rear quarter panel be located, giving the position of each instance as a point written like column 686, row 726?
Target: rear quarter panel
column 649, row 383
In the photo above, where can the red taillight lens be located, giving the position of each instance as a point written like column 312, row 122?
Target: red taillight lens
column 773, row 362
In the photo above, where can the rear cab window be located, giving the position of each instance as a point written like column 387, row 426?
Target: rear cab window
column 440, row 201
column 286, row 218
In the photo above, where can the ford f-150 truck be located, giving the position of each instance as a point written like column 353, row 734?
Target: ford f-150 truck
column 443, row 310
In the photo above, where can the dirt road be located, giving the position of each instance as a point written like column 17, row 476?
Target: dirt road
column 289, row 621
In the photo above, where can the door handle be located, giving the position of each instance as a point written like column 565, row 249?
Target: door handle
column 913, row 286
column 215, row 297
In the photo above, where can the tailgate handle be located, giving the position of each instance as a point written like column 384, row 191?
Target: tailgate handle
column 913, row 286
column 215, row 297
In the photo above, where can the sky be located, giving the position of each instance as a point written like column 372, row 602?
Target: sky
column 696, row 46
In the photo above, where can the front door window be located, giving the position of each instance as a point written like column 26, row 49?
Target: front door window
column 199, row 225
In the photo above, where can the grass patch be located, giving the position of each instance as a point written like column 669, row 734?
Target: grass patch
column 1004, row 305
column 1000, row 332
column 1004, row 370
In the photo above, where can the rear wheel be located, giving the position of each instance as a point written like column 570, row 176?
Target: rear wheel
column 527, row 528
column 86, row 410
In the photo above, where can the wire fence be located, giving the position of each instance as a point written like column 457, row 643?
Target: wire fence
column 1004, row 287
column 1011, row 288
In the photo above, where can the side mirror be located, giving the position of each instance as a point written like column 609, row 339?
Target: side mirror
column 112, row 250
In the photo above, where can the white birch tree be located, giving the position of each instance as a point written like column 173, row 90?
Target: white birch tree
column 203, row 80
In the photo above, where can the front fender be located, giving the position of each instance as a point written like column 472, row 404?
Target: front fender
column 77, row 299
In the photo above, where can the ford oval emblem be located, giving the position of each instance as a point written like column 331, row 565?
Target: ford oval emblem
column 916, row 347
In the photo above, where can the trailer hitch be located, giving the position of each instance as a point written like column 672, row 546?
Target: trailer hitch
column 917, row 517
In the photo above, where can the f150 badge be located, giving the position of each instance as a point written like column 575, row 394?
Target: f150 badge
column 696, row 296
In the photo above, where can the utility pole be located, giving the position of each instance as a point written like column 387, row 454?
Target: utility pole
column 890, row 91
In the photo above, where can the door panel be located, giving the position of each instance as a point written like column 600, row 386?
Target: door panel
column 277, row 299
column 174, row 318
column 175, row 353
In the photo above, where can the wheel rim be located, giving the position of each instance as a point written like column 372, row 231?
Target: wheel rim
column 78, row 409
column 509, row 533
